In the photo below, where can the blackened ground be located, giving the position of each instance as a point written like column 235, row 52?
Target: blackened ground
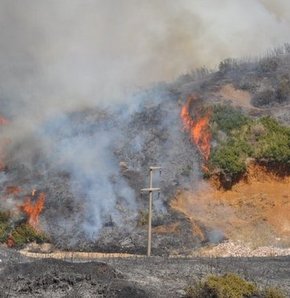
column 129, row 277
column 56, row 278
column 168, row 277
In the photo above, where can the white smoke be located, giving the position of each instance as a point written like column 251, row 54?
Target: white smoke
column 64, row 55
column 70, row 53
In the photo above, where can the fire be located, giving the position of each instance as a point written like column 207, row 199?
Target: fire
column 33, row 210
column 199, row 130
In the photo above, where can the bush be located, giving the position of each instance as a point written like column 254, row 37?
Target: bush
column 226, row 286
column 25, row 233
column 20, row 233
column 273, row 293
column 4, row 217
column 231, row 157
column 227, row 65
column 4, row 226
column 264, row 139
column 229, row 286
column 274, row 145
column 283, row 89
column 268, row 65
column 226, row 118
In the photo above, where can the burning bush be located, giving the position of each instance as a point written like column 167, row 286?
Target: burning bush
column 198, row 129
column 17, row 234
column 25, row 233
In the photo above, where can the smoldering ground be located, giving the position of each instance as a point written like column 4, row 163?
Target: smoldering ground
column 59, row 57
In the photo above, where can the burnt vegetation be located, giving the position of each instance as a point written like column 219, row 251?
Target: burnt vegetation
column 152, row 133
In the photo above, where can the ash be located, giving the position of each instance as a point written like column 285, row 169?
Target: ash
column 128, row 277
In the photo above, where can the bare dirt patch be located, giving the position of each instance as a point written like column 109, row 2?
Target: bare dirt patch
column 238, row 97
column 255, row 211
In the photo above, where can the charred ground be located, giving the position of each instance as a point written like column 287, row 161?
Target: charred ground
column 150, row 133
column 129, row 277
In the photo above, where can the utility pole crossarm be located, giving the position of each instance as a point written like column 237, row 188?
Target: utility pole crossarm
column 154, row 168
column 150, row 189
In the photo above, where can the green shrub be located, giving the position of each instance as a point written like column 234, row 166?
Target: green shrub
column 25, row 233
column 273, row 293
column 226, row 118
column 231, row 157
column 4, row 226
column 226, row 286
column 21, row 233
column 275, row 144
column 229, row 286
column 4, row 217
column 261, row 139
column 4, row 232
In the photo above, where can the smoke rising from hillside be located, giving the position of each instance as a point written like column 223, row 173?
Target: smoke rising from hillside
column 71, row 53
column 58, row 56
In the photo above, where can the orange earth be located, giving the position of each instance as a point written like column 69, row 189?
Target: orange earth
column 256, row 210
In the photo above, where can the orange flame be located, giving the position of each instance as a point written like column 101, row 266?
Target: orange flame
column 199, row 130
column 33, row 210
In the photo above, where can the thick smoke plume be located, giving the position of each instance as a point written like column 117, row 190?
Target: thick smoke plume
column 58, row 57
column 63, row 54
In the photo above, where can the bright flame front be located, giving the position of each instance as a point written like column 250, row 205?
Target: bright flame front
column 199, row 129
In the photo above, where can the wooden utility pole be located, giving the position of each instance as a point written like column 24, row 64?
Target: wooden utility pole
column 151, row 189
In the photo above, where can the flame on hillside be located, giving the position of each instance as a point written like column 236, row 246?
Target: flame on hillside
column 33, row 210
column 198, row 130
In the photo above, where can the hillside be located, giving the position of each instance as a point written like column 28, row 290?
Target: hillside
column 244, row 196
column 254, row 211
column 222, row 139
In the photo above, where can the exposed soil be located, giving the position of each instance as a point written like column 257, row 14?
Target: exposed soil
column 238, row 97
column 255, row 211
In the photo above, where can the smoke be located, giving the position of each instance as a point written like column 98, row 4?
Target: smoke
column 62, row 56
column 71, row 53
